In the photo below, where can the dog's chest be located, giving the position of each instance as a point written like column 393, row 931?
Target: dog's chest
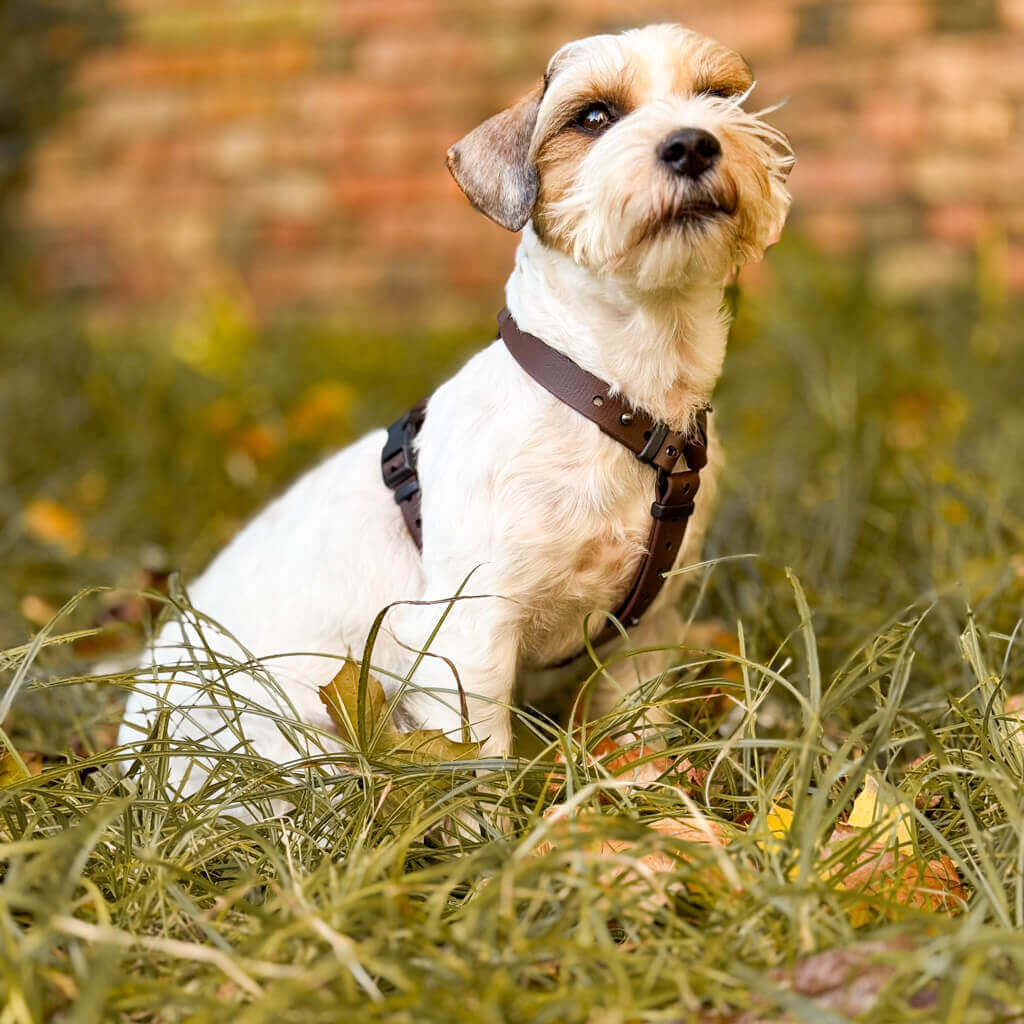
column 578, row 516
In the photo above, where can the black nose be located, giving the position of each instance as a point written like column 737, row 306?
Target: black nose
column 690, row 151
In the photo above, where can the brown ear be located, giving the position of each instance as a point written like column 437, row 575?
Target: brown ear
column 492, row 166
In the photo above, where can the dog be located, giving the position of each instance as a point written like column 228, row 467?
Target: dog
column 639, row 183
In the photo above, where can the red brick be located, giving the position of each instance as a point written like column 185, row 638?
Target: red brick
column 757, row 30
column 322, row 130
column 958, row 222
column 960, row 66
column 947, row 176
column 844, row 177
column 887, row 22
column 1012, row 12
column 834, row 231
column 895, row 121
column 975, row 121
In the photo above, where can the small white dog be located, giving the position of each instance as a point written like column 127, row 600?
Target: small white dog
column 640, row 183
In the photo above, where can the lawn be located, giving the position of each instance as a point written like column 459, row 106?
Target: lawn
column 831, row 828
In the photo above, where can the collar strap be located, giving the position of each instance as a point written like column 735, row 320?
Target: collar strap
column 650, row 440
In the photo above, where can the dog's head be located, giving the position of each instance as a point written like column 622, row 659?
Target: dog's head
column 635, row 156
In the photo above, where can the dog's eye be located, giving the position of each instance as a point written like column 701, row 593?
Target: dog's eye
column 594, row 118
column 722, row 94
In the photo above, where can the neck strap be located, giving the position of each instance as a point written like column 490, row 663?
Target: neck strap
column 650, row 440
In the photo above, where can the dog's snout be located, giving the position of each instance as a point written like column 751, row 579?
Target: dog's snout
column 689, row 152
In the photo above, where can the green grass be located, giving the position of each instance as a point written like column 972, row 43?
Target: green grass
column 875, row 489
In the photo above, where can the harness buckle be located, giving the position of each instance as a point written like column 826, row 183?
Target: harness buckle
column 658, row 434
column 398, row 460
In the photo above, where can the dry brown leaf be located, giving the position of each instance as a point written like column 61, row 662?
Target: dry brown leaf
column 704, row 832
column 371, row 729
column 879, row 838
column 844, row 981
column 894, row 874
column 639, row 764
column 588, row 832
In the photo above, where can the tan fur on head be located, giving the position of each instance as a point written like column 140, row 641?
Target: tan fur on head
column 604, row 197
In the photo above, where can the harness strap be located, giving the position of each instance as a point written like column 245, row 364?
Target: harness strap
column 648, row 439
column 398, row 467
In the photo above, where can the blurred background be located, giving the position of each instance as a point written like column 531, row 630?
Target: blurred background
column 229, row 244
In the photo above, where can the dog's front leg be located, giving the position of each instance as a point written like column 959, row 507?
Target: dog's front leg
column 466, row 675
column 640, row 678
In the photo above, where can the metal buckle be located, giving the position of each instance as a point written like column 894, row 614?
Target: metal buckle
column 658, row 434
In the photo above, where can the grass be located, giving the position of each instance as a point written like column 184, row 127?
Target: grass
column 873, row 639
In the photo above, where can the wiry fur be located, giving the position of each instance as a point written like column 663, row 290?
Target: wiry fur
column 544, row 513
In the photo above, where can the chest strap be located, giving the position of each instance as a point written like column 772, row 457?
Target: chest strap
column 649, row 440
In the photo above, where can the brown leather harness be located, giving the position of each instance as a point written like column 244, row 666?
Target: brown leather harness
column 651, row 441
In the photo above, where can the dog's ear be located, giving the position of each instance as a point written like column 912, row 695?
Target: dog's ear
column 492, row 163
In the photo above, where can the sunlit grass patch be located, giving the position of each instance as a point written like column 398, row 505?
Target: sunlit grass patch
column 543, row 885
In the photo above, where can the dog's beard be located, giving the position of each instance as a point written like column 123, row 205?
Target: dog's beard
column 682, row 232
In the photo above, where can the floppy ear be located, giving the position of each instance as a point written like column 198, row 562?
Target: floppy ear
column 492, row 166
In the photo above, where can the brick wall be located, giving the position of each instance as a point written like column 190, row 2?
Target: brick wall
column 294, row 148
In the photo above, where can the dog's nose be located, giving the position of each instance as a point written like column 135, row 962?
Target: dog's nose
column 689, row 152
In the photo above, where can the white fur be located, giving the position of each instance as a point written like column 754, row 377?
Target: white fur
column 544, row 514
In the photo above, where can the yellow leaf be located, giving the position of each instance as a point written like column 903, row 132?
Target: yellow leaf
column 869, row 813
column 322, row 406
column 11, row 770
column 862, row 815
column 779, row 821
column 52, row 523
column 37, row 610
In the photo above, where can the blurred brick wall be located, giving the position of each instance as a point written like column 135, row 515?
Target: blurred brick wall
column 295, row 148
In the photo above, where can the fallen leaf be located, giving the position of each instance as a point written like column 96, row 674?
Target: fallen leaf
column 260, row 442
column 1014, row 709
column 322, row 406
column 53, row 523
column 37, row 610
column 844, row 981
column 11, row 771
column 868, row 812
column 779, row 821
column 895, row 876
column 638, row 763
column 371, row 729
column 588, row 832
column 875, row 855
